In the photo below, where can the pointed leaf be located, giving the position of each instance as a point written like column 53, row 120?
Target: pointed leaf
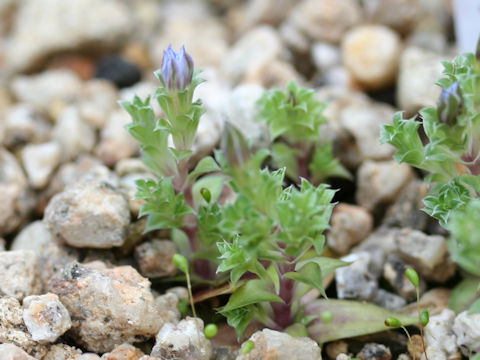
column 252, row 292
column 350, row 318
column 206, row 165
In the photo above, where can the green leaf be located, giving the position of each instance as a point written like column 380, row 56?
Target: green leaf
column 463, row 295
column 328, row 265
column 475, row 308
column 164, row 208
column 273, row 274
column 252, row 292
column 284, row 155
column 294, row 114
column 350, row 318
column 204, row 166
column 310, row 274
column 464, row 244
column 214, row 183
column 240, row 318
column 403, row 134
column 325, row 165
column 182, row 242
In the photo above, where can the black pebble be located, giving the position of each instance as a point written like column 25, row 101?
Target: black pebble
column 121, row 72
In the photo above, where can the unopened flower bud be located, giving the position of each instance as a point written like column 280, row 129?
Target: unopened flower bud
column 177, row 69
column 234, row 145
column 450, row 104
column 392, row 322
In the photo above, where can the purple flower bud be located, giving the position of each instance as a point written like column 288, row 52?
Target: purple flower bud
column 177, row 69
column 450, row 104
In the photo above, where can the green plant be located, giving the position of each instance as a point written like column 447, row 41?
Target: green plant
column 451, row 157
column 423, row 316
column 241, row 231
column 294, row 118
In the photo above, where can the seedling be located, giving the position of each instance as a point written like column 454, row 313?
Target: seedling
column 423, row 316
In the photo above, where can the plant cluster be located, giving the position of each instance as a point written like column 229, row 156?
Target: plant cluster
column 246, row 232
column 449, row 152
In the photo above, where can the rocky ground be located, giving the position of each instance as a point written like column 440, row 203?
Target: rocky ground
column 76, row 272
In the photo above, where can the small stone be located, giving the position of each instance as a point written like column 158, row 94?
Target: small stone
column 271, row 12
column 275, row 345
column 188, row 20
column 13, row 352
column 108, row 306
column 259, row 46
column 16, row 199
column 85, row 166
column 154, row 258
column 349, row 225
column 277, row 73
column 119, row 71
column 406, row 210
column 467, row 329
column 394, row 273
column 373, row 351
column 336, row 348
column 400, row 15
column 388, row 300
column 380, row 244
column 294, row 37
column 415, row 347
column 380, row 183
column 419, row 70
column 82, row 65
column 131, row 166
column 427, row 253
column 241, row 110
column 184, row 340
column 45, row 317
column 46, row 88
column 89, row 213
column 40, row 160
column 73, row 134
column 19, row 273
column 214, row 93
column 62, row 352
column 363, row 120
column 23, row 124
column 123, row 352
column 343, row 357
column 371, row 54
column 96, row 102
column 439, row 337
column 14, row 331
column 325, row 56
column 435, row 301
column 168, row 307
column 108, row 25
column 356, row 281
column 90, row 356
column 325, row 20
column 129, row 187
column 115, row 142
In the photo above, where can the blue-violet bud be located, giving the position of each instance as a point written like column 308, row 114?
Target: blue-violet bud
column 450, row 104
column 177, row 69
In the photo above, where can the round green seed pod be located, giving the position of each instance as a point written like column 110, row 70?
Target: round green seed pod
column 210, row 331
column 181, row 262
column 412, row 276
column 247, row 346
